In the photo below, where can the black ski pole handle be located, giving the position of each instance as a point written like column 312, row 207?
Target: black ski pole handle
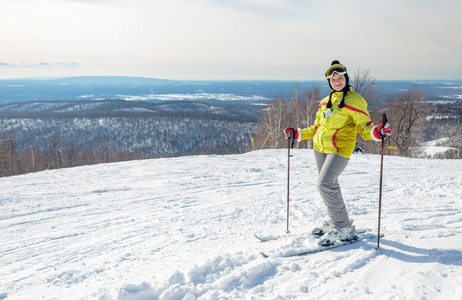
column 384, row 121
column 384, row 118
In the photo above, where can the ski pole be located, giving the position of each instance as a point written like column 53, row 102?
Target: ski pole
column 288, row 174
column 384, row 121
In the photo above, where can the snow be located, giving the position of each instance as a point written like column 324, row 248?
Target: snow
column 181, row 228
column 195, row 97
column 431, row 149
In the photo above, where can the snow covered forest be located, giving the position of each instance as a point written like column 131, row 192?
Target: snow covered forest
column 67, row 134
column 44, row 135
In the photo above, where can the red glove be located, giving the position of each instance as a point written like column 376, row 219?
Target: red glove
column 380, row 131
column 291, row 133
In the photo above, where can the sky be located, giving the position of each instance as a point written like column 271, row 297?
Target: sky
column 230, row 39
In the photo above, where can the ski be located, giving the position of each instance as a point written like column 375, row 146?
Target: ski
column 318, row 249
column 272, row 237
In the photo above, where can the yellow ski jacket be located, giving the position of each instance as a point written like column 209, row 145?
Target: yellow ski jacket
column 335, row 129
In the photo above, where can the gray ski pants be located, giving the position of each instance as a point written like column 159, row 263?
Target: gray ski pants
column 330, row 166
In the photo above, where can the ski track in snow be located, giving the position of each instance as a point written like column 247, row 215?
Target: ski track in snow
column 181, row 228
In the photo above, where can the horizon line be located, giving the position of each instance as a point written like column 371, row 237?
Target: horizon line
column 167, row 79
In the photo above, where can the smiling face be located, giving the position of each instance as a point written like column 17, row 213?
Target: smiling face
column 338, row 82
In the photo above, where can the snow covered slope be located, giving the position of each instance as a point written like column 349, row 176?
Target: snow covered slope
column 181, row 228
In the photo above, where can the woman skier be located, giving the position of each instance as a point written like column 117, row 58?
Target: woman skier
column 339, row 118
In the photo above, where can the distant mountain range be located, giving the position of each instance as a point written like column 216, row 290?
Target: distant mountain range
column 224, row 92
column 117, row 108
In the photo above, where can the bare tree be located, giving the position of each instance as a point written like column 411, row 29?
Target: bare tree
column 303, row 107
column 298, row 112
column 8, row 157
column 271, row 124
column 312, row 99
column 296, row 108
column 56, row 146
column 406, row 114
column 31, row 158
column 366, row 85
column 71, row 154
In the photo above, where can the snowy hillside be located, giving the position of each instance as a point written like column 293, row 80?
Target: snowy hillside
column 181, row 228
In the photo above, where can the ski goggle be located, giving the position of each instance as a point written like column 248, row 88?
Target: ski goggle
column 339, row 69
